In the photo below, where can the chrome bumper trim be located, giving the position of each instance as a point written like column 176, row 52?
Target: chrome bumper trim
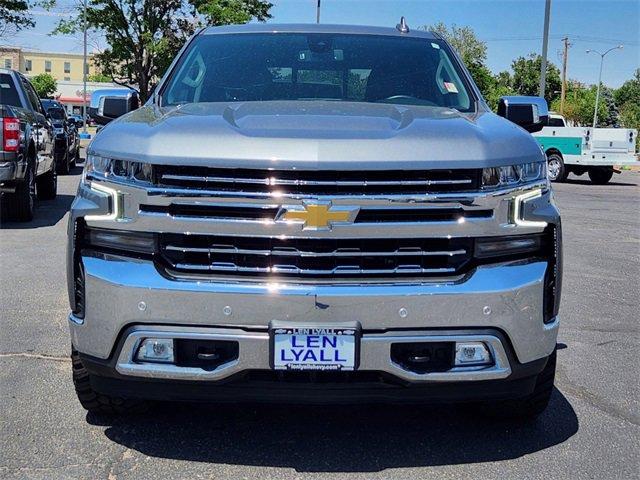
column 122, row 292
column 375, row 355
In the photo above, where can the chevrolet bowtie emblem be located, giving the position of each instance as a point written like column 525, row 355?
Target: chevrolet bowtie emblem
column 317, row 216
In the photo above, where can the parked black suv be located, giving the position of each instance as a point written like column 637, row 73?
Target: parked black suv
column 67, row 144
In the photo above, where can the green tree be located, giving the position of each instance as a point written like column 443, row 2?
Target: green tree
column 628, row 99
column 629, row 91
column 579, row 104
column 464, row 40
column 526, row 77
column 630, row 118
column 503, row 79
column 44, row 84
column 144, row 36
column 98, row 77
column 484, row 79
column 611, row 117
column 15, row 16
column 502, row 87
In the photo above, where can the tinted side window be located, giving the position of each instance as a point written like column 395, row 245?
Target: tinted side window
column 556, row 122
column 8, row 93
column 32, row 95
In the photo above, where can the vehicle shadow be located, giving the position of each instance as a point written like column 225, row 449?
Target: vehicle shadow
column 579, row 181
column 48, row 213
column 337, row 439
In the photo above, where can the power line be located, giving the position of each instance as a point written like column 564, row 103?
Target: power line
column 582, row 38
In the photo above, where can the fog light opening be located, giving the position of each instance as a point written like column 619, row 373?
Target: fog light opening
column 159, row 350
column 472, row 354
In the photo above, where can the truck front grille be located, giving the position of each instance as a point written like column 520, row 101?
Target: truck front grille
column 263, row 256
column 306, row 182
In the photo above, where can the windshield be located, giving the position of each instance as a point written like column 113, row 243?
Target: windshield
column 297, row 66
column 56, row 113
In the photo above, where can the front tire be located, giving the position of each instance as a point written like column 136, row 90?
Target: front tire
column 533, row 404
column 600, row 175
column 557, row 171
column 100, row 403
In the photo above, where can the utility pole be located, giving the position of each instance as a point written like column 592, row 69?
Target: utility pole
column 84, row 75
column 563, row 92
column 545, row 44
column 318, row 12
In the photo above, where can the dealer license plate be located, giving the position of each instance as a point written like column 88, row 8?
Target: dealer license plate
column 314, row 348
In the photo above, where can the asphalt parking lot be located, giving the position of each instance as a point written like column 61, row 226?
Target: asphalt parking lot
column 590, row 430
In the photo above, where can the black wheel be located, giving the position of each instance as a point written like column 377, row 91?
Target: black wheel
column 600, row 175
column 532, row 405
column 21, row 203
column 62, row 164
column 95, row 402
column 556, row 169
column 47, row 185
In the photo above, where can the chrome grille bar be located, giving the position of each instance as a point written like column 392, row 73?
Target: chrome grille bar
column 293, row 252
column 328, row 183
column 293, row 270
column 265, row 256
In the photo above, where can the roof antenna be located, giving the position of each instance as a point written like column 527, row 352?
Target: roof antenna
column 402, row 26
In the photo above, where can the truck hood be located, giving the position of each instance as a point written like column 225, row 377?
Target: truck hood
column 315, row 135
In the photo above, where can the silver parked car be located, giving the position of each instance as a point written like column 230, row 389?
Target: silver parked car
column 316, row 213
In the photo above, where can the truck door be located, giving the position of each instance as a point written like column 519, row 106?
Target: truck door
column 42, row 128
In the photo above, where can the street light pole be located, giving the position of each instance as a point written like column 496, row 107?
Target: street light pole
column 318, row 12
column 602, row 55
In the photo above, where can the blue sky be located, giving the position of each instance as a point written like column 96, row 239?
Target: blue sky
column 510, row 27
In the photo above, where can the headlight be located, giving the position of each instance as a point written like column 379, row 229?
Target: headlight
column 58, row 131
column 512, row 175
column 118, row 169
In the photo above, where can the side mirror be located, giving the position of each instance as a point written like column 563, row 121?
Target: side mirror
column 112, row 107
column 531, row 113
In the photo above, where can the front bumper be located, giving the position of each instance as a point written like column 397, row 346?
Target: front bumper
column 317, row 387
column 121, row 292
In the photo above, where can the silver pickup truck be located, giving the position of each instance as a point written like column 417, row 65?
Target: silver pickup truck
column 316, row 214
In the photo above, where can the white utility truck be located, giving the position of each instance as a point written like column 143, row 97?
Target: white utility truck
column 579, row 150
